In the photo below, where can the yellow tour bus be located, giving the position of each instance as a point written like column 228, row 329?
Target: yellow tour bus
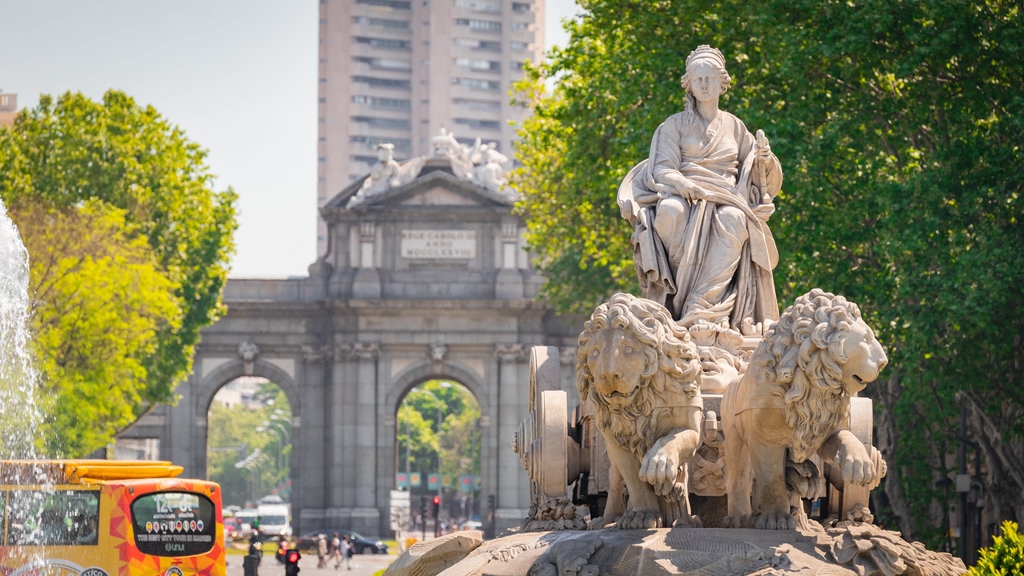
column 107, row 517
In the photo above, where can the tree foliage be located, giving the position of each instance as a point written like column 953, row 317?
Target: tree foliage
column 74, row 162
column 236, row 431
column 898, row 126
column 1004, row 557
column 437, row 424
column 105, row 301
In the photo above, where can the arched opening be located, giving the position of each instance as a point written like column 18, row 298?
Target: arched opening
column 248, row 453
column 438, row 456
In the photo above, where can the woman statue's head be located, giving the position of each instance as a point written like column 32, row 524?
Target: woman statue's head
column 707, row 56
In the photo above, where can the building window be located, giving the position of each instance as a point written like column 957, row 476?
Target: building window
column 479, row 124
column 473, row 104
column 520, row 26
column 393, row 4
column 377, row 102
column 382, row 22
column 518, row 64
column 384, row 43
column 383, row 82
column 478, row 44
column 517, row 46
column 480, row 5
column 482, row 25
column 478, row 64
column 384, row 63
column 476, row 83
column 376, row 122
column 520, row 8
column 402, row 145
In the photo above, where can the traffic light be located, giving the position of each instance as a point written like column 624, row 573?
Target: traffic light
column 490, row 501
column 437, row 516
column 291, row 562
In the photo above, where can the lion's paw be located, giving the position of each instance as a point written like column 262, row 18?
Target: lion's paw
column 689, row 521
column 600, row 523
column 775, row 521
column 639, row 520
column 744, row 521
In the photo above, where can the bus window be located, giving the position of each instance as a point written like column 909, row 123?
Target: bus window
column 174, row 523
column 53, row 517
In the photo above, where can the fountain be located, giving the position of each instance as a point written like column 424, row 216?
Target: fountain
column 18, row 376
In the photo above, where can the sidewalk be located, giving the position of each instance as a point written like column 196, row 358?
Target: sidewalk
column 362, row 565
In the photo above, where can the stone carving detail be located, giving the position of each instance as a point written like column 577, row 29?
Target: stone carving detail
column 639, row 370
column 794, row 401
column 560, row 513
column 248, row 351
column 489, row 167
column 344, row 351
column 366, row 350
column 317, row 353
column 384, row 173
column 509, row 353
column 437, row 352
column 567, row 558
column 699, row 207
column 868, row 549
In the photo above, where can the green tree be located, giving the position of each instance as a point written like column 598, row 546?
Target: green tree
column 436, row 424
column 72, row 151
column 236, row 431
column 898, row 126
column 1004, row 557
column 101, row 301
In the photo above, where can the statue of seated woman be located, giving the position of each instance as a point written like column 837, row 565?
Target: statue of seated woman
column 699, row 206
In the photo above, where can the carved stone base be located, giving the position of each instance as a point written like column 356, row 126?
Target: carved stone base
column 846, row 549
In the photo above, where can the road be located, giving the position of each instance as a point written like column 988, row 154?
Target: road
column 362, row 565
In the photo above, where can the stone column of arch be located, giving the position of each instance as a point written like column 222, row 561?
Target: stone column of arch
column 364, row 505
column 511, row 483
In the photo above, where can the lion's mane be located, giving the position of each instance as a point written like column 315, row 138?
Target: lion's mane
column 802, row 357
column 671, row 370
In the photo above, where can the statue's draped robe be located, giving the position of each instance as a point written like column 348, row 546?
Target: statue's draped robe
column 711, row 259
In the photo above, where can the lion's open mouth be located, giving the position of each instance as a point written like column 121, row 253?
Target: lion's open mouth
column 622, row 395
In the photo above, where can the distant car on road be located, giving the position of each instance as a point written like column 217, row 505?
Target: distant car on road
column 360, row 544
column 471, row 525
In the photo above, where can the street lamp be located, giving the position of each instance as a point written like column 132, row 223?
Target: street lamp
column 251, row 463
column 279, row 426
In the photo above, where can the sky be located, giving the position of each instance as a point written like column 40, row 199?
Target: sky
column 238, row 76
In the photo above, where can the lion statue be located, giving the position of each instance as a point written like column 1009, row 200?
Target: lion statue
column 642, row 374
column 794, row 402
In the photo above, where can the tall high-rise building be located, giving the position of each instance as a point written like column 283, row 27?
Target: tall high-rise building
column 8, row 108
column 399, row 71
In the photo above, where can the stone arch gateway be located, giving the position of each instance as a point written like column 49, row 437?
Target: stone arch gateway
column 426, row 277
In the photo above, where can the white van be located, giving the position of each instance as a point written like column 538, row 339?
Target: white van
column 275, row 519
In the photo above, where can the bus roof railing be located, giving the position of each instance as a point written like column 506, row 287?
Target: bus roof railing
column 83, row 471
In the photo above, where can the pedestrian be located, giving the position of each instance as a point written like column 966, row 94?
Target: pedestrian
column 346, row 551
column 336, row 551
column 251, row 562
column 321, row 550
column 282, row 549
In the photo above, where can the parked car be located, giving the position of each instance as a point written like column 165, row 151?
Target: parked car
column 233, row 528
column 361, row 544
